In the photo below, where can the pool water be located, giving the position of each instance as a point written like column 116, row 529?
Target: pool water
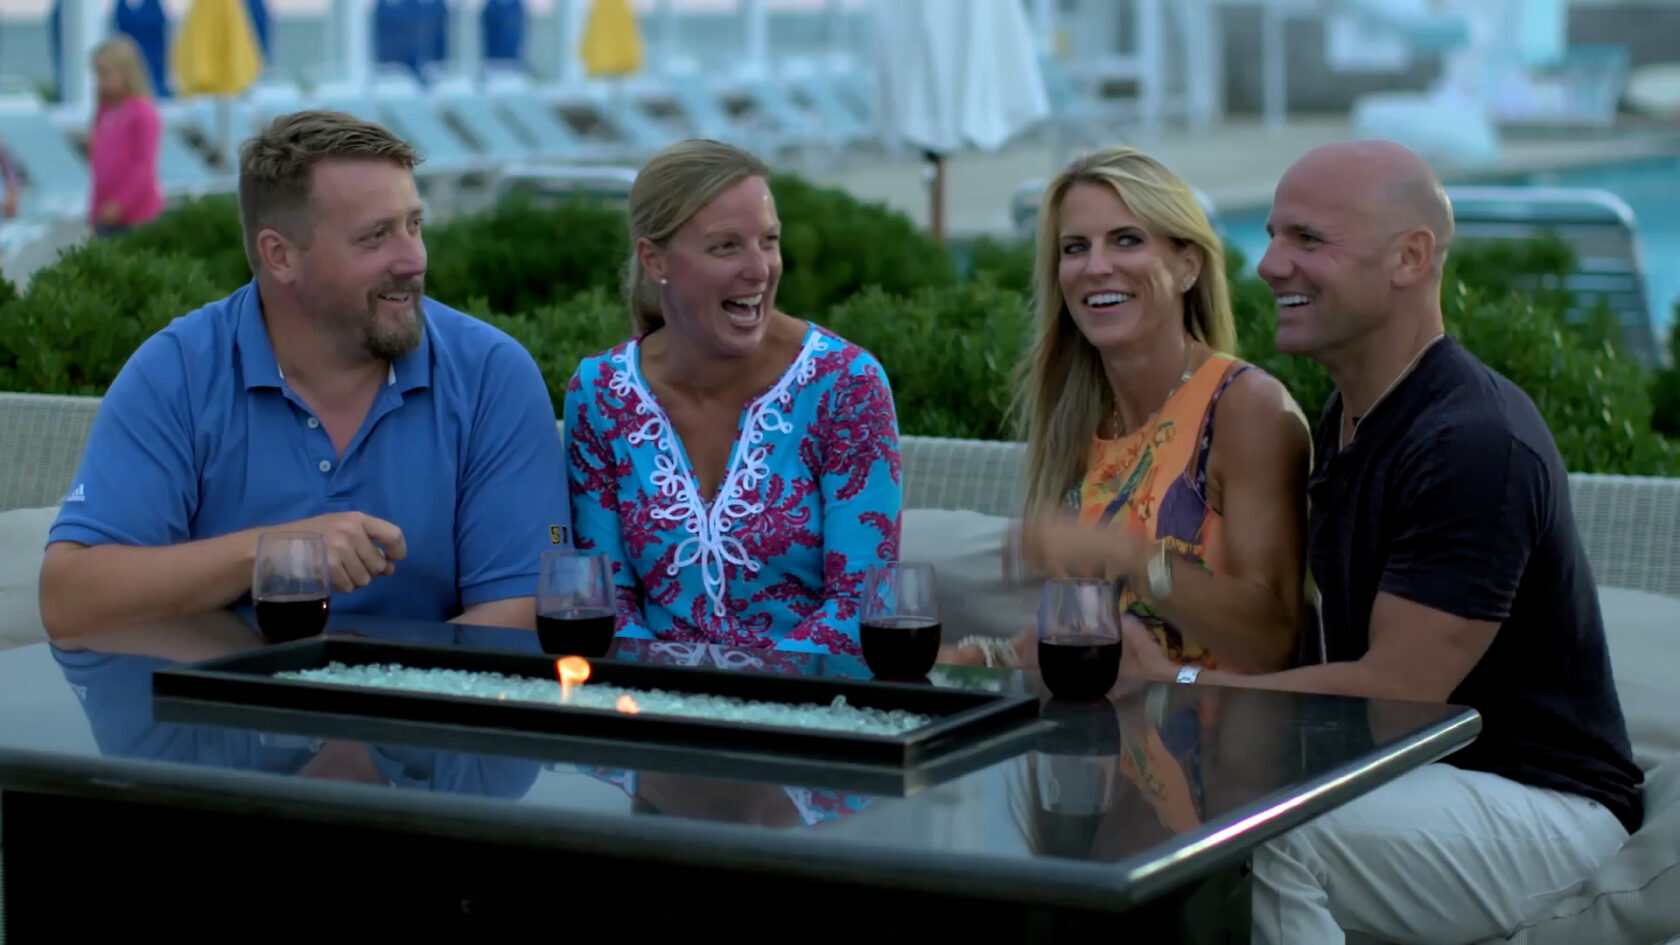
column 1650, row 187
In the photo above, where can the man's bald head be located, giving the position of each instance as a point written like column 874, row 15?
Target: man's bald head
column 1359, row 236
column 1388, row 185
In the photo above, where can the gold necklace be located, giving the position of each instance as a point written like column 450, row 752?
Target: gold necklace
column 1113, row 421
column 1345, row 435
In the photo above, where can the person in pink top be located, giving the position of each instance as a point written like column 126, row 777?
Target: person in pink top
column 123, row 148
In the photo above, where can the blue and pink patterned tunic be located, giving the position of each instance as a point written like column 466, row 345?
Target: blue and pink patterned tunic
column 810, row 500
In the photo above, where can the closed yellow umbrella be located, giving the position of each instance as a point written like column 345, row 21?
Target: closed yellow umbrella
column 215, row 51
column 612, row 40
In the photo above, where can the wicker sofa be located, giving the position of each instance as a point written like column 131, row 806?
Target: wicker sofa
column 958, row 496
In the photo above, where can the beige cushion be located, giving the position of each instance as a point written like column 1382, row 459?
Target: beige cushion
column 1632, row 897
column 966, row 550
column 1643, row 630
column 23, row 541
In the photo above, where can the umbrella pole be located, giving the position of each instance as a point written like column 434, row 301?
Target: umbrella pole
column 224, row 132
column 936, row 193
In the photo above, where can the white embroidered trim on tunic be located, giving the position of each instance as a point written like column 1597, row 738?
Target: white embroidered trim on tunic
column 708, row 541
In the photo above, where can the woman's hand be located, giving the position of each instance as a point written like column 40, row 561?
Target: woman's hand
column 111, row 213
column 1140, row 654
column 1062, row 546
column 1024, row 646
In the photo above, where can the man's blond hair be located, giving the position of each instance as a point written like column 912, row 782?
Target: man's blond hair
column 277, row 165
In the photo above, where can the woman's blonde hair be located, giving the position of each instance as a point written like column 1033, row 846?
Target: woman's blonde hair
column 1063, row 393
column 121, row 52
column 669, row 190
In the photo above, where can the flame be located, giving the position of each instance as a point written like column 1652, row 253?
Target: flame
column 572, row 670
column 627, row 704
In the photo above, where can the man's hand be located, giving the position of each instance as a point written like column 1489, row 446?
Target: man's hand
column 9, row 208
column 343, row 761
column 359, row 547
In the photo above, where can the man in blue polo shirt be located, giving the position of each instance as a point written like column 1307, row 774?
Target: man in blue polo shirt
column 328, row 395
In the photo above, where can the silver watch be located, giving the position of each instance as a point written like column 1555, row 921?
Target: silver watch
column 1188, row 674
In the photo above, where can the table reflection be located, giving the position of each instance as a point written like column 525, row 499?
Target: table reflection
column 1112, row 777
column 111, row 675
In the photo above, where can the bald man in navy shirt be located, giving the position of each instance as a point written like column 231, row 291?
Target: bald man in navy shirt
column 330, row 396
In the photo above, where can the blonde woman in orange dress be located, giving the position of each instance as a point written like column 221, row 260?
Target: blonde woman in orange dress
column 1154, row 456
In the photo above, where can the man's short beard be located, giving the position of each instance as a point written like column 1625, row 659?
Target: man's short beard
column 391, row 344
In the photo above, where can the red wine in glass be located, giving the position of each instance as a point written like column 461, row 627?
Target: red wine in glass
column 900, row 647
column 898, row 620
column 1078, row 666
column 1079, row 637
column 576, row 632
column 286, row 617
column 290, row 591
column 576, row 603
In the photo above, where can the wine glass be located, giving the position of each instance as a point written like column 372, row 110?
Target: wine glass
column 289, row 585
column 1079, row 637
column 899, row 620
column 576, row 606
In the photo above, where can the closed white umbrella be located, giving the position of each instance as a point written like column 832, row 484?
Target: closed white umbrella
column 955, row 75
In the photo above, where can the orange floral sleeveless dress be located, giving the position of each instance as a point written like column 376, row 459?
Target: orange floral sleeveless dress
column 1154, row 481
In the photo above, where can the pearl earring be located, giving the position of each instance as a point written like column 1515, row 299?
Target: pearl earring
column 664, row 281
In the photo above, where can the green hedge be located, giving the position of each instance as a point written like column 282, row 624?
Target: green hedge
column 949, row 327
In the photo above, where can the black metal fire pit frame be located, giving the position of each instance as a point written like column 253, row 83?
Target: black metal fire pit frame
column 220, row 687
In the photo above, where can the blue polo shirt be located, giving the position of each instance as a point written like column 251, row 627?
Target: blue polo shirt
column 200, row 436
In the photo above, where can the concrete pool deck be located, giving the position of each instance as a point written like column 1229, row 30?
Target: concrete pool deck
column 1236, row 165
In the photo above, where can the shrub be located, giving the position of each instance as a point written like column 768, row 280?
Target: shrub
column 521, row 255
column 949, row 353
column 206, row 229
column 84, row 315
column 1008, row 263
column 1665, row 386
column 548, row 275
column 834, row 246
column 1593, row 400
column 559, row 336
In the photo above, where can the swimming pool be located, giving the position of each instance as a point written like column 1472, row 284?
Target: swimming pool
column 1651, row 187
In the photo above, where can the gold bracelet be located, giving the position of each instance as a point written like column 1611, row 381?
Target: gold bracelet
column 998, row 653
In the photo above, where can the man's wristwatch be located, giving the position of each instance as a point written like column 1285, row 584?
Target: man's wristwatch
column 1188, row 674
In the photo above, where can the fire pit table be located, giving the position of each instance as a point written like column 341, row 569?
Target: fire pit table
column 434, row 779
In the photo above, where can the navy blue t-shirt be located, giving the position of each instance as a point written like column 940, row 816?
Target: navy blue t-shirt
column 1453, row 495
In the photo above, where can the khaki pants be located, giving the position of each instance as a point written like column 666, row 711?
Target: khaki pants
column 1439, row 856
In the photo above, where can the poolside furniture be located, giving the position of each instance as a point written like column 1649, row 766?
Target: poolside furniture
column 1597, row 224
column 55, row 172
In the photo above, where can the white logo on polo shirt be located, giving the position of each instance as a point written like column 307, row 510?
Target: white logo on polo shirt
column 76, row 494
